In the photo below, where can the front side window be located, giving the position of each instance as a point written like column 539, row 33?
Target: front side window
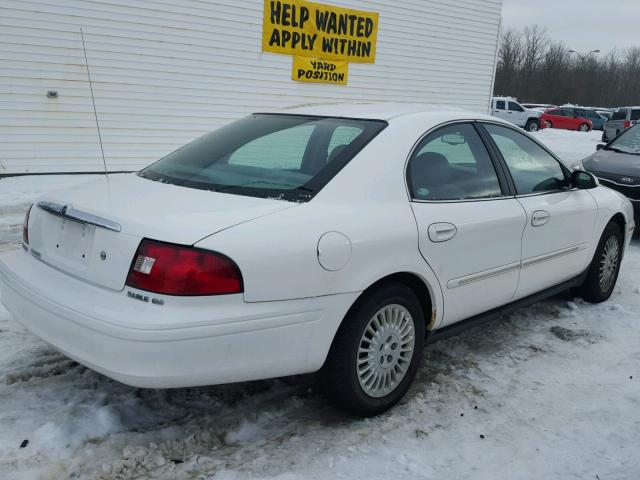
column 532, row 168
column 284, row 156
column 515, row 107
column 567, row 112
column 628, row 142
column 452, row 163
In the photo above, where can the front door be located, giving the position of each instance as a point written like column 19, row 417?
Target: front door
column 469, row 229
column 517, row 114
column 560, row 221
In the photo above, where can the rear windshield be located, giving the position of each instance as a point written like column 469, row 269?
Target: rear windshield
column 267, row 155
column 628, row 142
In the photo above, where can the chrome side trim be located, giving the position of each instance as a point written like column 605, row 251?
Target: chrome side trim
column 70, row 213
column 553, row 255
column 476, row 277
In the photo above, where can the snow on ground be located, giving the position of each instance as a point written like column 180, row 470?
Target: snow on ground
column 552, row 391
column 570, row 145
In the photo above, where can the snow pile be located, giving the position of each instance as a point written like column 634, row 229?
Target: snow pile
column 552, row 391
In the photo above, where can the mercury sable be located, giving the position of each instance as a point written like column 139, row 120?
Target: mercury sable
column 335, row 239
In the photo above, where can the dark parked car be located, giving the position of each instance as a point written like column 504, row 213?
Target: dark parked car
column 617, row 165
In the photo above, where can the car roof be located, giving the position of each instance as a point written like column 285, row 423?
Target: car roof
column 381, row 111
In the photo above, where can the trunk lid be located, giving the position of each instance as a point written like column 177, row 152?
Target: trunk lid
column 130, row 208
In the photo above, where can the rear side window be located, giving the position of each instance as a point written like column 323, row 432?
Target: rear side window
column 567, row 112
column 452, row 163
column 581, row 113
column 619, row 115
column 283, row 156
column 532, row 168
column 635, row 114
column 500, row 105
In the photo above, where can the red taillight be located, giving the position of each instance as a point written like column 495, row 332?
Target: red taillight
column 627, row 123
column 25, row 227
column 178, row 270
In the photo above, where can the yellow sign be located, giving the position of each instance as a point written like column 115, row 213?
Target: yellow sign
column 307, row 29
column 307, row 69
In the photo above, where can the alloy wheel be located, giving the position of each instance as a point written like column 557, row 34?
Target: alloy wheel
column 385, row 351
column 609, row 263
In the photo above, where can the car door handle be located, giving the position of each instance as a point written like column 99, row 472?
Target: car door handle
column 540, row 217
column 442, row 231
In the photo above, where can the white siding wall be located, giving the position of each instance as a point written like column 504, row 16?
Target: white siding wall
column 167, row 71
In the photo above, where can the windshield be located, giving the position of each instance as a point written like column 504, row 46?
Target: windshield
column 628, row 142
column 267, row 155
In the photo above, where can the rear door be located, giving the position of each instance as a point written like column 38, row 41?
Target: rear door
column 559, row 221
column 470, row 228
column 500, row 109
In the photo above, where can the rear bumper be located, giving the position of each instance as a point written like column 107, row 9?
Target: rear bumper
column 185, row 342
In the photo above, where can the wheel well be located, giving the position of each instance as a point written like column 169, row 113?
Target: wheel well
column 415, row 283
column 618, row 218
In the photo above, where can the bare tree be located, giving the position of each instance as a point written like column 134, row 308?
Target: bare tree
column 535, row 46
column 534, row 68
column 510, row 57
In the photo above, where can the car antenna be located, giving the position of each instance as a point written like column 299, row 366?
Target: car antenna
column 93, row 101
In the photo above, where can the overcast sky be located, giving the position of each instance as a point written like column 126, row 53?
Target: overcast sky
column 582, row 24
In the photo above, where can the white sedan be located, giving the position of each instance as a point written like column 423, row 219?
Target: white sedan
column 335, row 239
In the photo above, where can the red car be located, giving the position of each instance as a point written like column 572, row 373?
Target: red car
column 569, row 118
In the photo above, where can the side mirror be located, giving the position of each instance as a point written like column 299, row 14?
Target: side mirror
column 600, row 146
column 583, row 180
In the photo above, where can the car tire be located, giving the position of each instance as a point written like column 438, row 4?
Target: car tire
column 604, row 268
column 549, row 124
column 584, row 127
column 604, row 137
column 388, row 322
column 532, row 126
